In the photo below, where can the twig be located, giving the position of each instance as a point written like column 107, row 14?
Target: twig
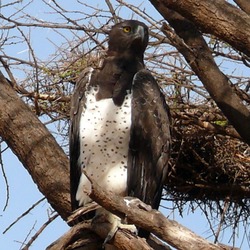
column 112, row 11
column 5, row 180
column 226, row 205
column 25, row 213
column 82, row 211
column 34, row 237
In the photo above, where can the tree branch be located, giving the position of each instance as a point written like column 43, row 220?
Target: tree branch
column 32, row 143
column 135, row 211
column 216, row 17
column 78, row 236
column 85, row 235
column 244, row 5
column 191, row 44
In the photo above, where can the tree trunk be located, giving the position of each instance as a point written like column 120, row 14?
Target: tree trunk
column 35, row 147
column 244, row 5
column 198, row 55
column 216, row 17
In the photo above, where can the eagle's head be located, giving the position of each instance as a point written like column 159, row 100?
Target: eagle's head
column 130, row 36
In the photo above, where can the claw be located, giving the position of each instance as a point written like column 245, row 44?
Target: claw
column 113, row 230
column 116, row 224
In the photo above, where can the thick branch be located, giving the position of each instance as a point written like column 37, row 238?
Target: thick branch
column 32, row 143
column 80, row 235
column 85, row 236
column 244, row 5
column 216, row 17
column 136, row 212
column 198, row 55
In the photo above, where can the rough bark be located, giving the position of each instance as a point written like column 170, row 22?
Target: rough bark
column 216, row 17
column 198, row 55
column 35, row 147
column 244, row 5
column 135, row 212
column 81, row 235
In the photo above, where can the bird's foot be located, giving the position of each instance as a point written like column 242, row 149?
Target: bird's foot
column 117, row 224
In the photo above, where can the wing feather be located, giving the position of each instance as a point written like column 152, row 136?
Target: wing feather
column 77, row 107
column 150, row 140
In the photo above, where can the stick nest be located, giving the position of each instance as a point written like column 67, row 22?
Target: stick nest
column 209, row 160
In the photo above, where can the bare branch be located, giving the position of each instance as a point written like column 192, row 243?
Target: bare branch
column 23, row 215
column 5, row 179
column 207, row 15
column 136, row 212
column 244, row 5
column 198, row 55
column 34, row 150
column 34, row 237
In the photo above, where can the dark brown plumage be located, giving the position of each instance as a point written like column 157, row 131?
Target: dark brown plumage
column 127, row 43
column 136, row 121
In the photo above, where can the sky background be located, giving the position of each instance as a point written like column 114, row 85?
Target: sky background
column 23, row 193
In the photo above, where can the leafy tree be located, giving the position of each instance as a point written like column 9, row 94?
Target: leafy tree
column 199, row 53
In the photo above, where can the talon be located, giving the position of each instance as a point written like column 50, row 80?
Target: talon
column 116, row 224
column 131, row 228
column 109, row 237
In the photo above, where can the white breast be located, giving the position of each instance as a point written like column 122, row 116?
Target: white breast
column 104, row 135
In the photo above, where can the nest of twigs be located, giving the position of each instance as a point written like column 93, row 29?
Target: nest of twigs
column 209, row 160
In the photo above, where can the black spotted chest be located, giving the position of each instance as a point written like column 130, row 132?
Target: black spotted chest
column 104, row 135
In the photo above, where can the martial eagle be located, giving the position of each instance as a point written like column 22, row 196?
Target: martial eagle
column 120, row 129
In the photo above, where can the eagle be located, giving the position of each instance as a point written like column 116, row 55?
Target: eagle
column 120, row 123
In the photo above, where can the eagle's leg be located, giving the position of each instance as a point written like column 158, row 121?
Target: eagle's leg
column 116, row 224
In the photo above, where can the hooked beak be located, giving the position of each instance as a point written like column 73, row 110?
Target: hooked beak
column 139, row 33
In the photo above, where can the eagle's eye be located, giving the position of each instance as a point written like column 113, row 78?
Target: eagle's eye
column 127, row 29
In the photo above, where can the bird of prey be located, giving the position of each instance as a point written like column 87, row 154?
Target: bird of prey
column 120, row 123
